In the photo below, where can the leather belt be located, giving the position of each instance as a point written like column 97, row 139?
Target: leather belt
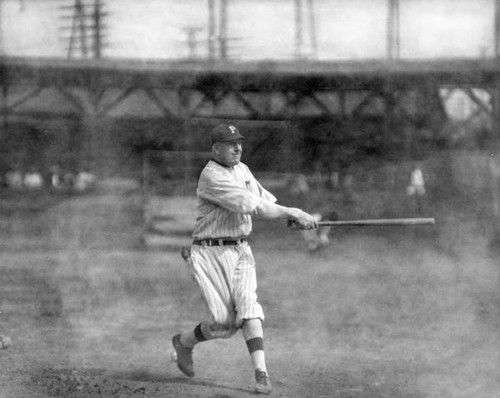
column 218, row 242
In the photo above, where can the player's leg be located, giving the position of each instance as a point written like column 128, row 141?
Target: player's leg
column 254, row 337
column 251, row 315
column 210, row 271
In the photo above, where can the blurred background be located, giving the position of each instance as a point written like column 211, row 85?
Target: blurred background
column 370, row 108
column 388, row 98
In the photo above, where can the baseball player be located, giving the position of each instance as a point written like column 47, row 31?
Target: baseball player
column 220, row 258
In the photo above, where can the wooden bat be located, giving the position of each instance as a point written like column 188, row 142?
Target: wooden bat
column 379, row 222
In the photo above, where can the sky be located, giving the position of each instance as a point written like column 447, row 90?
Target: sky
column 259, row 29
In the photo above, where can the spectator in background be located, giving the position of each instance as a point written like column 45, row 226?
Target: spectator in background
column 84, row 181
column 416, row 190
column 55, row 177
column 33, row 179
column 14, row 179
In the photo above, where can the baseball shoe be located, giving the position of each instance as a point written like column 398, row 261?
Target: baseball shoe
column 262, row 382
column 184, row 356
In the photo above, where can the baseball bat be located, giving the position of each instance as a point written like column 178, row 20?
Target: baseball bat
column 378, row 222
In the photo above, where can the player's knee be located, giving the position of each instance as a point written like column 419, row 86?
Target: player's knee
column 222, row 326
column 230, row 331
column 221, row 331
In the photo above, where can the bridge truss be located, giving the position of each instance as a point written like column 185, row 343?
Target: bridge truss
column 404, row 91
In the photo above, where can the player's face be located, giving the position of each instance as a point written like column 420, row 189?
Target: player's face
column 229, row 153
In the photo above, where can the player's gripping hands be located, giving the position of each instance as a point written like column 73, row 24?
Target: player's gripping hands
column 270, row 210
column 301, row 220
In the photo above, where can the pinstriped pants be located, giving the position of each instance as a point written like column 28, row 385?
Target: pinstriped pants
column 227, row 279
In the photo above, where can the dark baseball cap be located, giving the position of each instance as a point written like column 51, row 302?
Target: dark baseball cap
column 225, row 133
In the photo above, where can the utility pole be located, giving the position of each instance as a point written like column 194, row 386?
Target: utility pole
column 218, row 37
column 85, row 29
column 496, row 39
column 393, row 37
column 304, row 17
column 192, row 41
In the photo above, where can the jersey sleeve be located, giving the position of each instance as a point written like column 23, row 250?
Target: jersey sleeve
column 259, row 190
column 220, row 188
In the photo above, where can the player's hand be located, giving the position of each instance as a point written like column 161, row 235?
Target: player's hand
column 301, row 220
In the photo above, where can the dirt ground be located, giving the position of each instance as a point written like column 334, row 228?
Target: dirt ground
column 393, row 313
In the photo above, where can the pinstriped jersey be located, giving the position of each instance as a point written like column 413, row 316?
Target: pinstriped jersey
column 227, row 197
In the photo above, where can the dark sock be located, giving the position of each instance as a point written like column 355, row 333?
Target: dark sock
column 255, row 344
column 199, row 334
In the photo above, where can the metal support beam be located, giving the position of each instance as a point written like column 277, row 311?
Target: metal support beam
column 478, row 101
column 153, row 95
column 116, row 101
column 24, row 99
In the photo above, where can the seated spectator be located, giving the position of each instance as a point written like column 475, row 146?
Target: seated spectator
column 14, row 179
column 33, row 180
column 84, row 180
column 55, row 175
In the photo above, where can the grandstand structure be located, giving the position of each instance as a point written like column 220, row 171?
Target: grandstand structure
column 90, row 86
column 265, row 91
column 400, row 94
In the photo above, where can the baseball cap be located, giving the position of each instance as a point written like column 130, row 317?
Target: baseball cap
column 225, row 133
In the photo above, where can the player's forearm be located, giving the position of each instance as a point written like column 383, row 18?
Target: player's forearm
column 270, row 210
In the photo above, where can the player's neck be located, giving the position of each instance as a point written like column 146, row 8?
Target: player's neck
column 220, row 163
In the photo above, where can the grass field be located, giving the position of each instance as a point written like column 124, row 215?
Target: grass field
column 400, row 312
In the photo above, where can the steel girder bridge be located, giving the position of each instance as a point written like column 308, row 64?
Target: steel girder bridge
column 405, row 91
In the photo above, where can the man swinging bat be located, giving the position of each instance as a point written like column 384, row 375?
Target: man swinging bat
column 220, row 258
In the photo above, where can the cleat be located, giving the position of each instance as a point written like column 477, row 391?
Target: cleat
column 262, row 382
column 184, row 356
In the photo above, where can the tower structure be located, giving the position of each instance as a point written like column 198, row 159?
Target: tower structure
column 218, row 39
column 83, row 28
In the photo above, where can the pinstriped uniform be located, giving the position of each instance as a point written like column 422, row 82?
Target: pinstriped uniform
column 227, row 198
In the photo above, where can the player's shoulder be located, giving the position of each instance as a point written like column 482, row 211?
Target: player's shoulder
column 242, row 167
column 213, row 170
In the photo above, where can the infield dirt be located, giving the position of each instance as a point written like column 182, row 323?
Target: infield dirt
column 401, row 312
